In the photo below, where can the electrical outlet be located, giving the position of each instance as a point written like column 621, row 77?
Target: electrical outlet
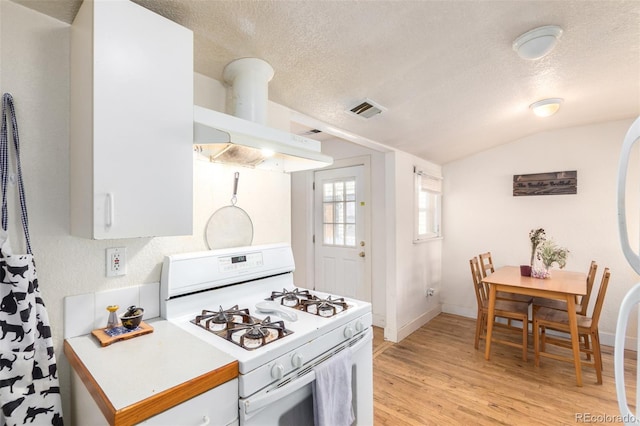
column 116, row 261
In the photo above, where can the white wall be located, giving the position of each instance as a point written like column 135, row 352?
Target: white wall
column 34, row 60
column 413, row 267
column 481, row 214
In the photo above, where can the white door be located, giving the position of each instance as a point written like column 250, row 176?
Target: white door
column 342, row 263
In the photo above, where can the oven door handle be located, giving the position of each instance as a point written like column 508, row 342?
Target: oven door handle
column 254, row 404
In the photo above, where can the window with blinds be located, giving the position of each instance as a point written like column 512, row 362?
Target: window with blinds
column 428, row 199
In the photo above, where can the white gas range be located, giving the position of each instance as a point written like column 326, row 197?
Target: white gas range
column 213, row 295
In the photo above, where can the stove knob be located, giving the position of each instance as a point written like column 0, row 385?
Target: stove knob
column 296, row 360
column 277, row 371
column 348, row 332
column 359, row 326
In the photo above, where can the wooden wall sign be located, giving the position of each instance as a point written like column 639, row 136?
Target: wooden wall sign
column 553, row 183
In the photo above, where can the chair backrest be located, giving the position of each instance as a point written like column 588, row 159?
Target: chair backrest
column 600, row 299
column 486, row 264
column 591, row 278
column 481, row 290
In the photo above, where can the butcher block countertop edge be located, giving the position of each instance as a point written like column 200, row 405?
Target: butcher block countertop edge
column 138, row 378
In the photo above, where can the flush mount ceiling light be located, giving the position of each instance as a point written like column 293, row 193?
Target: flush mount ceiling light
column 546, row 107
column 538, row 42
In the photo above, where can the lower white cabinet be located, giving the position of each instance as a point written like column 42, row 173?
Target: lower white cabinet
column 216, row 407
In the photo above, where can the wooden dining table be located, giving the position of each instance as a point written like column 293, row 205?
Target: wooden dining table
column 561, row 285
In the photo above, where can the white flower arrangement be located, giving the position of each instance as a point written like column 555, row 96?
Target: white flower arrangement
column 549, row 253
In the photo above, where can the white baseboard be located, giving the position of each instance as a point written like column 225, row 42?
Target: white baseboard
column 459, row 310
column 417, row 323
column 379, row 320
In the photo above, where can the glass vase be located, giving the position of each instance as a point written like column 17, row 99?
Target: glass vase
column 541, row 271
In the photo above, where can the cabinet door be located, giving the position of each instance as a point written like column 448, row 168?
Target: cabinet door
column 217, row 407
column 141, row 125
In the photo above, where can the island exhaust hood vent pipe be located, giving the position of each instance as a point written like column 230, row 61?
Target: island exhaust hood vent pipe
column 243, row 139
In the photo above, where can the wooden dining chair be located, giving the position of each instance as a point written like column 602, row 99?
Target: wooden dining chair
column 486, row 266
column 582, row 303
column 553, row 319
column 507, row 309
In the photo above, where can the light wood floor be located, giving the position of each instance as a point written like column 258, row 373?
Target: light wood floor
column 436, row 377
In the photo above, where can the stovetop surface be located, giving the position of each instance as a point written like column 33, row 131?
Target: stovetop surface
column 308, row 326
column 245, row 276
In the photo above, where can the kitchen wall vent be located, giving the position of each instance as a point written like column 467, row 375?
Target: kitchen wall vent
column 366, row 109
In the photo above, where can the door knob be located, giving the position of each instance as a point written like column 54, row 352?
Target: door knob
column 361, row 243
column 361, row 254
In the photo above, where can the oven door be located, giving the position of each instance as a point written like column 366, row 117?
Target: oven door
column 291, row 401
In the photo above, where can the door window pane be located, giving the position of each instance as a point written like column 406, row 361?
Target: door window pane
column 339, row 191
column 328, row 234
column 351, row 212
column 350, row 189
column 327, row 192
column 337, row 213
column 328, row 213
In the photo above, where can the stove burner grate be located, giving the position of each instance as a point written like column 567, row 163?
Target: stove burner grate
column 303, row 300
column 253, row 336
column 239, row 327
column 324, row 307
column 291, row 298
column 221, row 319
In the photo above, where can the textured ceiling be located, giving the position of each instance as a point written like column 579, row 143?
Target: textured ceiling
column 444, row 70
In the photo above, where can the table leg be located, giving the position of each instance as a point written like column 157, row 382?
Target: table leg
column 490, row 319
column 575, row 338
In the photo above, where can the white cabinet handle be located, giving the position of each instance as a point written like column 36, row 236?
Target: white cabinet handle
column 205, row 421
column 110, row 208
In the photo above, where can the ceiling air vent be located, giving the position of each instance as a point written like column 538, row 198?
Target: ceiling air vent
column 310, row 132
column 366, row 109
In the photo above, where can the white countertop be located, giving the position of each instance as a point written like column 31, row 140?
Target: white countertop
column 133, row 370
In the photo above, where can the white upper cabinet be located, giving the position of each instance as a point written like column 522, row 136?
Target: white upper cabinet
column 131, row 123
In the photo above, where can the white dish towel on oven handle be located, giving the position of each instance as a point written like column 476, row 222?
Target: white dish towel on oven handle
column 332, row 395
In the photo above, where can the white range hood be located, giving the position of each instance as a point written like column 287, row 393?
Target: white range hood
column 243, row 138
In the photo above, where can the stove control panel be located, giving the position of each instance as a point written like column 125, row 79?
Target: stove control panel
column 240, row 262
column 277, row 371
column 292, row 363
column 297, row 360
